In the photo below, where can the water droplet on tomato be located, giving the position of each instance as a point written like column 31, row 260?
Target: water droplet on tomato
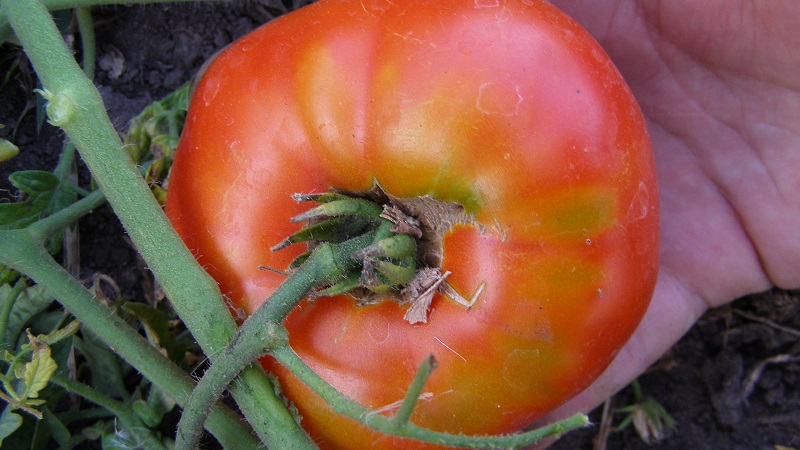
column 487, row 3
column 210, row 91
column 640, row 204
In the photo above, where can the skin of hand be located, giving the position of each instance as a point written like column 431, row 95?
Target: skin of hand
column 719, row 84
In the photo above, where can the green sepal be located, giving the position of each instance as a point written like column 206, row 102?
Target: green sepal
column 342, row 287
column 335, row 230
column 297, row 262
column 398, row 273
column 397, row 246
column 380, row 275
column 338, row 208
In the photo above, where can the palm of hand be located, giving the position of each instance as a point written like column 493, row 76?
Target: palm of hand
column 718, row 84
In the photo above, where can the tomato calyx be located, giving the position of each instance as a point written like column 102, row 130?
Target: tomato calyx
column 403, row 261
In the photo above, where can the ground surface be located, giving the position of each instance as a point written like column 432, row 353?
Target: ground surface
column 730, row 383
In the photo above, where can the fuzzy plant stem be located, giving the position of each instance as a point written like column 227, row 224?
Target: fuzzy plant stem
column 75, row 105
column 399, row 427
column 263, row 333
column 83, row 16
column 263, row 330
column 24, row 253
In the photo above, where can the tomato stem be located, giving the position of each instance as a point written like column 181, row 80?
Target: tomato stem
column 24, row 251
column 412, row 396
column 392, row 425
column 379, row 255
column 379, row 258
column 263, row 330
column 193, row 293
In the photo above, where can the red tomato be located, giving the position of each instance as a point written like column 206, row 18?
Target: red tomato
column 509, row 108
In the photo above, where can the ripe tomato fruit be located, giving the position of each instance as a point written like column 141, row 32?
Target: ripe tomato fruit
column 510, row 109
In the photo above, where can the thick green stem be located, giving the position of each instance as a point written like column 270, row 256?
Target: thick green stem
column 65, row 162
column 327, row 264
column 263, row 330
column 124, row 413
column 86, row 29
column 414, row 391
column 27, row 256
column 76, row 106
column 344, row 405
column 66, row 217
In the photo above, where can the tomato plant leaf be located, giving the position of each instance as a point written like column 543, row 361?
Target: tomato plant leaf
column 158, row 330
column 44, row 195
column 38, row 371
column 149, row 416
column 160, row 401
column 121, row 440
column 30, row 303
column 153, row 409
column 9, row 423
column 50, row 427
column 7, row 150
column 108, row 370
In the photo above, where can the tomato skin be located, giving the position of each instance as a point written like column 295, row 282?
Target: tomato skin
column 513, row 111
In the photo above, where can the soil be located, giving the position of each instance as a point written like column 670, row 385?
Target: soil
column 733, row 382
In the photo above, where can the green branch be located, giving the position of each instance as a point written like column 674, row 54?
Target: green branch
column 328, row 264
column 334, row 259
column 394, row 427
column 75, row 105
column 414, row 391
column 42, row 229
column 86, row 29
column 22, row 252
column 262, row 331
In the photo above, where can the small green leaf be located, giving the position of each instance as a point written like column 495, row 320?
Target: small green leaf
column 152, row 136
column 39, row 370
column 324, row 197
column 108, row 370
column 149, row 416
column 334, row 230
column 50, row 428
column 44, row 195
column 394, row 274
column 30, row 303
column 9, row 423
column 123, row 440
column 159, row 401
column 61, row 333
column 159, row 330
column 342, row 287
column 7, row 150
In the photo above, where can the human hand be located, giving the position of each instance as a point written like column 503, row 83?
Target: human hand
column 718, row 83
